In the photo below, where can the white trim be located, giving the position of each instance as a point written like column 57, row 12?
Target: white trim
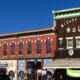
column 66, row 10
column 67, row 42
column 66, row 15
column 69, row 37
column 60, row 48
column 77, row 46
column 78, row 28
column 60, row 38
column 77, row 37
column 77, row 42
column 69, row 47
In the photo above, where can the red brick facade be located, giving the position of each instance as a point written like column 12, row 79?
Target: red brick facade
column 24, row 40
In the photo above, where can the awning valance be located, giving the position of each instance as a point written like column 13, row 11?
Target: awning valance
column 63, row 63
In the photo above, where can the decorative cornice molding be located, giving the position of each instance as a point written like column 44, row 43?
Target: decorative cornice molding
column 67, row 13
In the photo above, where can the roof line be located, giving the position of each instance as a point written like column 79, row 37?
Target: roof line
column 29, row 31
column 70, row 9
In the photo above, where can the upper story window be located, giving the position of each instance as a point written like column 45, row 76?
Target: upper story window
column 38, row 45
column 29, row 50
column 20, row 47
column 69, row 42
column 48, row 46
column 73, row 29
column 60, row 42
column 12, row 48
column 77, row 42
column 78, row 28
column 5, row 49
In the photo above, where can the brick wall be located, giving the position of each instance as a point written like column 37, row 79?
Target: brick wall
column 25, row 39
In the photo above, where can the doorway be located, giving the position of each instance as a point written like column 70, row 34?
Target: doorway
column 32, row 68
column 2, row 71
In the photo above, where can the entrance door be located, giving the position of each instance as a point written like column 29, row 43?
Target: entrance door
column 2, row 71
column 32, row 68
column 31, row 71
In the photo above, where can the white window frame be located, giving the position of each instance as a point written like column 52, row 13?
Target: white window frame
column 67, row 42
column 78, row 28
column 77, row 42
column 61, row 39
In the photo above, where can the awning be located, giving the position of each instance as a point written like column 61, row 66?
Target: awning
column 63, row 63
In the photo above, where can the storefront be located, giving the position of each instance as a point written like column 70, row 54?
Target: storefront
column 9, row 67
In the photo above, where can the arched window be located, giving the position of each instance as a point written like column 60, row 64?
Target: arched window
column 48, row 46
column 20, row 48
column 5, row 49
column 12, row 48
column 29, row 50
column 38, row 46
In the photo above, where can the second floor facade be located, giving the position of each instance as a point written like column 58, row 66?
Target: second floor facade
column 38, row 44
column 68, row 32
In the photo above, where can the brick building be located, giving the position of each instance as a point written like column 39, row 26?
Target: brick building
column 67, row 53
column 30, row 49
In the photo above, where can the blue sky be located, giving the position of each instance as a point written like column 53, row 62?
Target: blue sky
column 22, row 15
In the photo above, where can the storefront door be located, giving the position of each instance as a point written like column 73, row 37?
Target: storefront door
column 31, row 71
column 32, row 68
column 2, row 71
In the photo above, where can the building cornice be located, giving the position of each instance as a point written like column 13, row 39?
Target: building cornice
column 67, row 13
column 27, row 33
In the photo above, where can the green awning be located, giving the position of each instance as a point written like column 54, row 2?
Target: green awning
column 73, row 73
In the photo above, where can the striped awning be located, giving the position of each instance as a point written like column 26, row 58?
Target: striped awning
column 63, row 63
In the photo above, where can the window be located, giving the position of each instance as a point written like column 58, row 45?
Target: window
column 20, row 48
column 69, row 43
column 78, row 28
column 78, row 43
column 73, row 29
column 38, row 45
column 48, row 46
column 29, row 50
column 12, row 48
column 60, row 43
column 5, row 49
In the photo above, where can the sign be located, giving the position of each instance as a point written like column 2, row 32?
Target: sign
column 71, row 52
column 63, row 63
column 2, row 64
